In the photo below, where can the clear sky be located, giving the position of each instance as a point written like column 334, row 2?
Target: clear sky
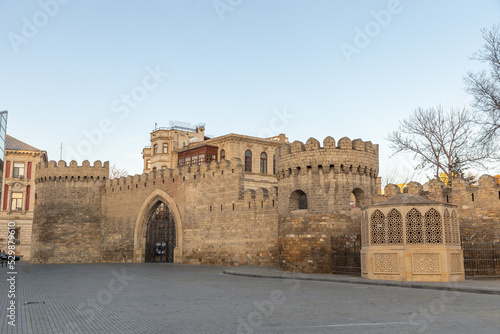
column 97, row 75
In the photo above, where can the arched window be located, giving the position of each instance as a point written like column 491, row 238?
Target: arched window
column 377, row 228
column 155, row 149
column 298, row 200
column 433, row 227
column 263, row 163
column 148, row 164
column 395, row 227
column 414, row 228
column 165, row 148
column 222, row 155
column 358, row 199
column 274, row 164
column 248, row 161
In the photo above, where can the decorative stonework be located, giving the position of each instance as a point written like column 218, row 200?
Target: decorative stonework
column 447, row 227
column 385, row 263
column 414, row 232
column 456, row 263
column 377, row 224
column 455, row 230
column 426, row 263
column 395, row 227
column 364, row 230
column 433, row 230
column 413, row 237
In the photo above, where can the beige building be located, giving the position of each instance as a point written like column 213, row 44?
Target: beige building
column 178, row 147
column 18, row 193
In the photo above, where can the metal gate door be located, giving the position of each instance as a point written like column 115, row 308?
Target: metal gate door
column 481, row 257
column 346, row 254
column 160, row 235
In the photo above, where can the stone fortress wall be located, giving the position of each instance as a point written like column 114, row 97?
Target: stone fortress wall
column 478, row 206
column 81, row 216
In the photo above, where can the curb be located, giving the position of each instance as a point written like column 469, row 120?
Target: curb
column 411, row 285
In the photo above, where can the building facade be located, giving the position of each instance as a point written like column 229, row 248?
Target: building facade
column 18, row 193
column 257, row 201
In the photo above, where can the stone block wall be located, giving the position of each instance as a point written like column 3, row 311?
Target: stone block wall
column 478, row 205
column 328, row 176
column 67, row 215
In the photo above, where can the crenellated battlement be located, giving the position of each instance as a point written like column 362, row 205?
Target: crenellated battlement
column 61, row 171
column 194, row 173
column 437, row 189
column 348, row 157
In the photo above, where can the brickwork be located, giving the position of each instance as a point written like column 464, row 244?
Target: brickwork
column 478, row 206
column 217, row 221
column 67, row 225
column 227, row 216
column 328, row 176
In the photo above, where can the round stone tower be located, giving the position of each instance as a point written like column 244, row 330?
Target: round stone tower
column 67, row 214
column 321, row 193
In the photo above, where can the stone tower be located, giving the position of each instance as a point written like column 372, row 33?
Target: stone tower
column 321, row 192
column 68, row 212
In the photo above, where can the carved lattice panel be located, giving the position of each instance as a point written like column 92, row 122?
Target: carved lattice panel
column 385, row 263
column 433, row 227
column 377, row 228
column 447, row 227
column 414, row 228
column 455, row 231
column 395, row 227
column 364, row 230
column 456, row 263
column 426, row 263
column 364, row 267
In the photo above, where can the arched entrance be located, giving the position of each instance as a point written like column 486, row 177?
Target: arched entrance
column 160, row 235
column 158, row 206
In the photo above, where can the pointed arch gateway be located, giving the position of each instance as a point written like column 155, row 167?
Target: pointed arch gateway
column 158, row 230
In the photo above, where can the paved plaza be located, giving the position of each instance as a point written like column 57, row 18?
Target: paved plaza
column 166, row 298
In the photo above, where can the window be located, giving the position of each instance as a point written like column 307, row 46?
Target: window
column 154, row 169
column 163, row 167
column 165, row 148
column 17, row 201
column 298, row 200
column 274, row 164
column 155, row 149
column 222, row 155
column 17, row 235
column 248, row 161
column 148, row 164
column 263, row 163
column 18, row 169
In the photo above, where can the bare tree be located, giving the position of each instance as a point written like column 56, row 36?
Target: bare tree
column 484, row 86
column 441, row 141
column 116, row 172
column 397, row 175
